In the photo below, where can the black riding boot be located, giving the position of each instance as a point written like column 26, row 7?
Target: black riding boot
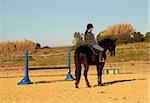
column 101, row 59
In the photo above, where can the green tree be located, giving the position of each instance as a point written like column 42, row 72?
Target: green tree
column 137, row 37
column 78, row 39
column 147, row 37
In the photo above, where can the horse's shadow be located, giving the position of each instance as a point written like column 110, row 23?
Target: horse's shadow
column 103, row 84
column 50, row 81
column 118, row 81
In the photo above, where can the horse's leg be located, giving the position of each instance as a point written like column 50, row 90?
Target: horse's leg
column 77, row 74
column 86, row 68
column 99, row 73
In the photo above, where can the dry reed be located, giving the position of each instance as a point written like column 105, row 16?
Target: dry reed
column 17, row 47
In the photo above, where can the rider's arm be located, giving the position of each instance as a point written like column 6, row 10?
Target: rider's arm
column 89, row 39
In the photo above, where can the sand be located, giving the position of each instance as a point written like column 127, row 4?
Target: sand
column 121, row 88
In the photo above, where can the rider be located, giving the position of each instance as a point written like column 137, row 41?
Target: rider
column 90, row 39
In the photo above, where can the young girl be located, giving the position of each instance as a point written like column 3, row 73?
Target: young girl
column 90, row 40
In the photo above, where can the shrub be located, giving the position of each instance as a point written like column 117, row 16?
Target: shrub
column 147, row 37
column 78, row 39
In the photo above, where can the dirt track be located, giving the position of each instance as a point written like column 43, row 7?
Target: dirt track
column 122, row 88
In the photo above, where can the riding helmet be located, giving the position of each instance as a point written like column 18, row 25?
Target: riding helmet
column 89, row 26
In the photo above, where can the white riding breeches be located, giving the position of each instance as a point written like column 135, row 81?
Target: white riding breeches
column 98, row 47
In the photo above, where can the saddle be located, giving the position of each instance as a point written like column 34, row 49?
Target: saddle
column 95, row 51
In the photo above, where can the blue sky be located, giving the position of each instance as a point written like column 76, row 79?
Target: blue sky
column 53, row 22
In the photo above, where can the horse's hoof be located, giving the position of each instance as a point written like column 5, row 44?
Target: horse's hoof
column 77, row 86
column 100, row 84
column 88, row 85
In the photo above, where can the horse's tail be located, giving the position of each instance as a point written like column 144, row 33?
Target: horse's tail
column 77, row 64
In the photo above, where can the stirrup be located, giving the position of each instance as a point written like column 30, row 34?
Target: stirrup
column 101, row 60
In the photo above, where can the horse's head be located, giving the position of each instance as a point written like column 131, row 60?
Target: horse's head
column 112, row 48
column 108, row 44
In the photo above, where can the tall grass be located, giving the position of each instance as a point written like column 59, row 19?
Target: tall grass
column 59, row 55
column 17, row 47
column 118, row 29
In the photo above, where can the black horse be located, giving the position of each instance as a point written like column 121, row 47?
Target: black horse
column 87, row 56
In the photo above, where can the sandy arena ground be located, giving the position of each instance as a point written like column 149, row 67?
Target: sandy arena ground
column 121, row 88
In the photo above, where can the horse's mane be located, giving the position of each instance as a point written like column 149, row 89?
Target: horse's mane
column 105, row 40
column 87, row 49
